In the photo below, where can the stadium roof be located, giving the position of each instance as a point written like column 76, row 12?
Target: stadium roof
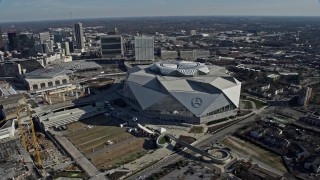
column 215, row 89
column 180, row 68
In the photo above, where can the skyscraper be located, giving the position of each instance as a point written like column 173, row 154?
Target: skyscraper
column 1, row 41
column 45, row 47
column 112, row 46
column 26, row 44
column 50, row 46
column 71, row 46
column 79, row 35
column 144, row 48
column 44, row 37
column 57, row 37
column 13, row 41
column 65, row 46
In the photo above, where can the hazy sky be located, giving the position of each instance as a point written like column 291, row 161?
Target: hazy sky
column 22, row 10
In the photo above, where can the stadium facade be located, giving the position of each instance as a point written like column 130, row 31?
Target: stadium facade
column 182, row 91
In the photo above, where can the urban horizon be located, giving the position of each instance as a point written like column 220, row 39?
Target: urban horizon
column 141, row 17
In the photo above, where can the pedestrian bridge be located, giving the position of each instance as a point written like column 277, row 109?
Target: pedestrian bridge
column 223, row 157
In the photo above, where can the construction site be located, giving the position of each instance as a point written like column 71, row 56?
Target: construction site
column 33, row 154
column 64, row 95
column 99, row 83
column 15, row 162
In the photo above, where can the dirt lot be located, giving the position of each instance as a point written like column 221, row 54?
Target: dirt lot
column 93, row 137
column 118, row 155
column 196, row 129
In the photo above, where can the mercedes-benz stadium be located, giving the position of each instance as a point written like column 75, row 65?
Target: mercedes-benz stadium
column 182, row 91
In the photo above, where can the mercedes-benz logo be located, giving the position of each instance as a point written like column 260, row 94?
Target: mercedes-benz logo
column 196, row 102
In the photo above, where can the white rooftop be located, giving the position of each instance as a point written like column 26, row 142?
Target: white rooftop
column 180, row 68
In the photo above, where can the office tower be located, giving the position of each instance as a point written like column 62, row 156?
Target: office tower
column 50, row 45
column 65, row 46
column 38, row 47
column 112, row 46
column 1, row 41
column 26, row 44
column 144, row 48
column 13, row 41
column 57, row 37
column 79, row 35
column 44, row 37
column 193, row 32
column 45, row 47
column 71, row 46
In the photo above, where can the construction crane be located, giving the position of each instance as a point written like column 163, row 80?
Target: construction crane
column 23, row 138
column 35, row 143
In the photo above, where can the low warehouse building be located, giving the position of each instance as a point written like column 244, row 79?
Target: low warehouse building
column 7, row 130
column 43, row 79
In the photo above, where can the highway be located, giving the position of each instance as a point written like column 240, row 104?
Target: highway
column 216, row 137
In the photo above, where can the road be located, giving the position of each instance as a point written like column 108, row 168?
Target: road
column 216, row 137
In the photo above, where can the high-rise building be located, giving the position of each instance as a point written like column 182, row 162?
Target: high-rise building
column 65, row 46
column 13, row 41
column 71, row 46
column 50, row 45
column 144, row 48
column 79, row 35
column 112, row 46
column 44, row 37
column 26, row 44
column 39, row 48
column 57, row 37
column 45, row 47
column 305, row 96
column 1, row 41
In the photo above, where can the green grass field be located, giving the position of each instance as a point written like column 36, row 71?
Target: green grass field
column 164, row 140
column 258, row 103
